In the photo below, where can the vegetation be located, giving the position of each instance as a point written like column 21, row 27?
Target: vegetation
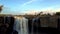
column 1, row 8
column 58, row 13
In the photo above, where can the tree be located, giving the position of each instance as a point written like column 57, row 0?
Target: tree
column 40, row 13
column 57, row 13
column 48, row 14
column 1, row 8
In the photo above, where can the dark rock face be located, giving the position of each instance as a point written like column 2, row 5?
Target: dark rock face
column 29, row 25
column 34, row 25
column 6, row 25
column 36, row 28
column 59, row 25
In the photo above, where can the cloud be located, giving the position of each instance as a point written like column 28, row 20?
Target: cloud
column 32, row 12
column 51, row 8
column 28, row 2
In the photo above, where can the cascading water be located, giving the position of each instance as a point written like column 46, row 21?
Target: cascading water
column 21, row 25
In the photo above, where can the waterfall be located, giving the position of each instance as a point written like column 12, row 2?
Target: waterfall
column 21, row 25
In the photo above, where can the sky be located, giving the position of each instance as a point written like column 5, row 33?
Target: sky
column 28, row 6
